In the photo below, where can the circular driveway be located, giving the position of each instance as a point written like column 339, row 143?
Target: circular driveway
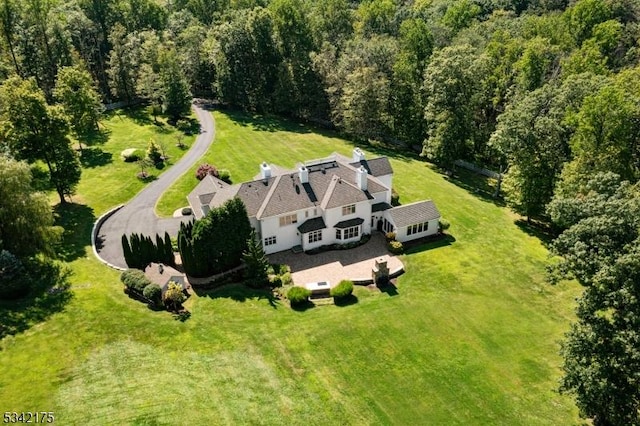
column 139, row 215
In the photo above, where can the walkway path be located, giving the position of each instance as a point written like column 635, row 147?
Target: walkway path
column 139, row 214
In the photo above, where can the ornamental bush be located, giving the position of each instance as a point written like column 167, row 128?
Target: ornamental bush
column 206, row 169
column 153, row 152
column 395, row 198
column 395, row 247
column 224, row 175
column 342, row 290
column 444, row 225
column 134, row 279
column 153, row 292
column 131, row 155
column 174, row 296
column 298, row 295
column 390, row 236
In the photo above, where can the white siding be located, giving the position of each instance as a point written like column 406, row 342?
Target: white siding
column 401, row 233
column 386, row 180
column 286, row 236
column 326, row 239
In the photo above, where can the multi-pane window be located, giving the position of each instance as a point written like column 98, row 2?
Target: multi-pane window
column 347, row 210
column 269, row 241
column 315, row 236
column 417, row 228
column 288, row 220
column 352, row 232
column 347, row 233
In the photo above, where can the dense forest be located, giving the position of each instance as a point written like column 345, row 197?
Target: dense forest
column 545, row 91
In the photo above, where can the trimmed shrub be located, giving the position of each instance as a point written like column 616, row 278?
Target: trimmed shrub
column 285, row 279
column 443, row 225
column 131, row 155
column 153, row 152
column 395, row 198
column 13, row 276
column 153, row 292
column 395, row 247
column 342, row 290
column 224, row 175
column 390, row 236
column 298, row 295
column 206, row 169
column 134, row 279
column 174, row 296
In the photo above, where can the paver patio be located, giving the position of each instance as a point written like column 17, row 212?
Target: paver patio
column 336, row 265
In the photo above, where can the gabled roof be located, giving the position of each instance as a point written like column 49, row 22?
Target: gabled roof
column 204, row 192
column 341, row 193
column 376, row 166
column 410, row 214
column 331, row 183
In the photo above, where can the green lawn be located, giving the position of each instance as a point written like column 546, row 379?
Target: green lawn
column 106, row 179
column 470, row 338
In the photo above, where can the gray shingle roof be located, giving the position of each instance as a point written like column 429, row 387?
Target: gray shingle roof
column 349, row 223
column 312, row 225
column 411, row 214
column 206, row 189
column 291, row 195
column 331, row 183
column 376, row 166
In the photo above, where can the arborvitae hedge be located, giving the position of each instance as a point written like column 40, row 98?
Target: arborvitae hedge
column 216, row 242
column 139, row 250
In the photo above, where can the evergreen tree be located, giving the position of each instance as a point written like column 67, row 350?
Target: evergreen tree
column 256, row 262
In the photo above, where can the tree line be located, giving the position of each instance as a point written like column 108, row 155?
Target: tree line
column 546, row 91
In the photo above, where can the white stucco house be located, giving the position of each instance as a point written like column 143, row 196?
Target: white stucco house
column 332, row 200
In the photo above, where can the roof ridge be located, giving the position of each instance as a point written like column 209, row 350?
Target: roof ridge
column 329, row 192
column 263, row 206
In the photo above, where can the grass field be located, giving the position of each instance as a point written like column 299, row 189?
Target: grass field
column 470, row 338
column 106, row 179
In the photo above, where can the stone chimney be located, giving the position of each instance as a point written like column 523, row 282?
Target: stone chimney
column 304, row 174
column 265, row 170
column 358, row 155
column 361, row 178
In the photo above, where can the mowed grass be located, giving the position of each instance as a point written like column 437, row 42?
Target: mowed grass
column 470, row 338
column 242, row 143
column 106, row 179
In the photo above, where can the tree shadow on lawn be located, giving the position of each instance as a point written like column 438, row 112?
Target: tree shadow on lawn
column 138, row 114
column 77, row 221
column 239, row 293
column 475, row 184
column 537, row 229
column 95, row 157
column 94, row 138
column 49, row 294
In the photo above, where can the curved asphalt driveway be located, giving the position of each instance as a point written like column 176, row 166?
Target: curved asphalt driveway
column 139, row 214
